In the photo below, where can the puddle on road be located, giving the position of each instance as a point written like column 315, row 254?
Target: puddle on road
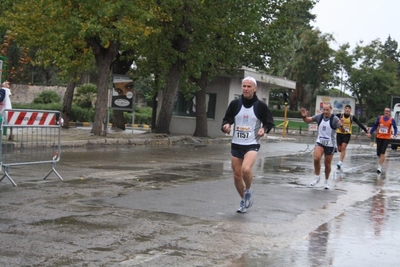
column 364, row 235
column 161, row 177
column 283, row 170
column 216, row 167
column 75, row 221
column 293, row 169
column 198, row 172
column 285, row 164
column 118, row 167
column 149, row 176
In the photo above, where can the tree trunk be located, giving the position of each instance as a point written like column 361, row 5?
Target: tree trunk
column 118, row 121
column 67, row 101
column 100, row 113
column 201, row 107
column 154, row 112
column 169, row 95
column 104, row 58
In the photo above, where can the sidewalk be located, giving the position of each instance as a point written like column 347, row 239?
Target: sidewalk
column 81, row 136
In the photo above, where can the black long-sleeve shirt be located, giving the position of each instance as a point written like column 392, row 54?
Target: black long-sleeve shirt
column 262, row 112
column 353, row 119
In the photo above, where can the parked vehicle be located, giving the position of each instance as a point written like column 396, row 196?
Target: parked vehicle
column 395, row 142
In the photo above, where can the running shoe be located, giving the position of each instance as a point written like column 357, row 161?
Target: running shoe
column 326, row 185
column 315, row 181
column 379, row 170
column 248, row 198
column 339, row 165
column 242, row 207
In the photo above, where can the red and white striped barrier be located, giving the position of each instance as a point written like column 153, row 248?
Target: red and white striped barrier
column 31, row 118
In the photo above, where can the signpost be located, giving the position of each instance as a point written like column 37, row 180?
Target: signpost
column 122, row 95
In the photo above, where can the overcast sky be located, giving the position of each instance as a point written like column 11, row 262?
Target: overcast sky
column 353, row 20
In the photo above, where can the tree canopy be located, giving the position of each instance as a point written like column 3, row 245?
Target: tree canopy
column 182, row 45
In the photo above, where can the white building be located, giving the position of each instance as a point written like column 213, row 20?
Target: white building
column 220, row 92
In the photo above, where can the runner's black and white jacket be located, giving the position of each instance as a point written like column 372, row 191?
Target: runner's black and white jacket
column 248, row 115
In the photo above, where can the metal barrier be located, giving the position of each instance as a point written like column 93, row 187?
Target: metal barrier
column 34, row 137
column 312, row 128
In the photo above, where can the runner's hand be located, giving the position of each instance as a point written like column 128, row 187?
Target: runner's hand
column 226, row 128
column 6, row 84
column 261, row 132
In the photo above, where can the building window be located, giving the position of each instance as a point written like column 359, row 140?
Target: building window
column 184, row 107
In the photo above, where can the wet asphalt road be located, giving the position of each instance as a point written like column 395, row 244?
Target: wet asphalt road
column 175, row 206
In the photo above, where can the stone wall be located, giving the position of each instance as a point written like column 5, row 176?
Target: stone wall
column 24, row 94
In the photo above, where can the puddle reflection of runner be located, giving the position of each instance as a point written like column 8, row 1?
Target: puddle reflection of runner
column 318, row 247
column 378, row 211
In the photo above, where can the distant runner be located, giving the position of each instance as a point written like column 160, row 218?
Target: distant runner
column 343, row 137
column 326, row 140
column 383, row 127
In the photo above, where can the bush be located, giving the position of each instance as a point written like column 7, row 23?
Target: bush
column 78, row 114
column 86, row 95
column 47, row 97
column 142, row 116
column 363, row 119
column 371, row 122
column 39, row 106
column 281, row 113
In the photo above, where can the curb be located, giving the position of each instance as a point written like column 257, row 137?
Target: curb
column 89, row 124
column 156, row 140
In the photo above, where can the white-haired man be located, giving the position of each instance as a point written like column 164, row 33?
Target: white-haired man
column 326, row 140
column 252, row 119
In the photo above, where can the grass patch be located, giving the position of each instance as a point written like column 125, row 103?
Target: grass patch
column 295, row 125
column 292, row 124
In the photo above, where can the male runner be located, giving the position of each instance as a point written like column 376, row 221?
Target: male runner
column 343, row 137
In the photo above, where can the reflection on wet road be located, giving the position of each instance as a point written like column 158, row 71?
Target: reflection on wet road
column 365, row 234
column 176, row 206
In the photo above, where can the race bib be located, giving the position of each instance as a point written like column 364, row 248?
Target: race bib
column 243, row 132
column 383, row 130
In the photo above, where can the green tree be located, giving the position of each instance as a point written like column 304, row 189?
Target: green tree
column 343, row 62
column 248, row 40
column 309, row 64
column 393, row 61
column 291, row 28
column 74, row 33
column 372, row 77
column 194, row 47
